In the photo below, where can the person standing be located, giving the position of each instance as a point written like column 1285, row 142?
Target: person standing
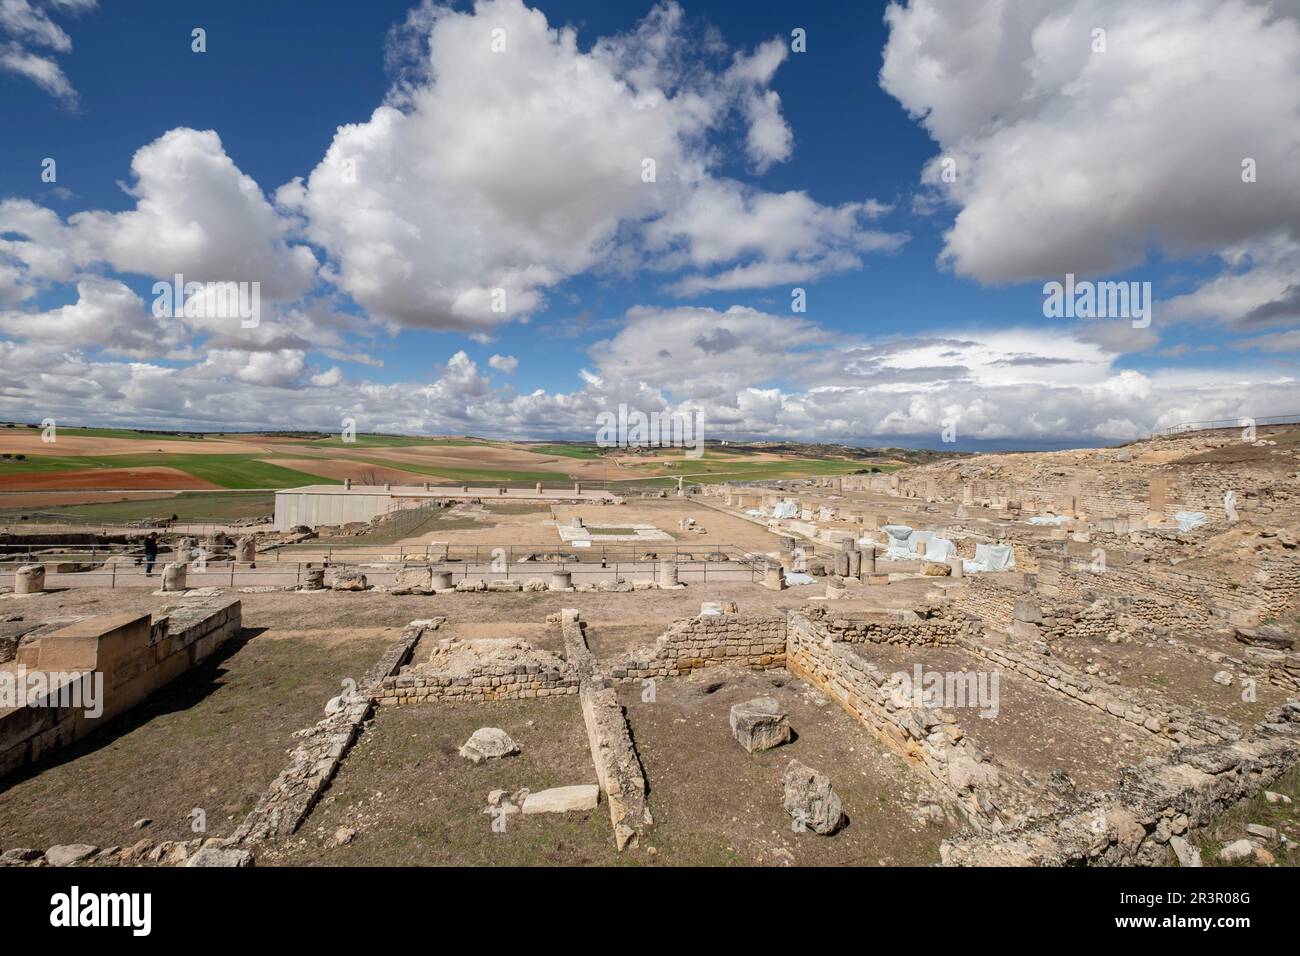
column 150, row 554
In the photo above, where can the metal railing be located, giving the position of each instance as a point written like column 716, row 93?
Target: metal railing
column 232, row 574
column 1184, row 427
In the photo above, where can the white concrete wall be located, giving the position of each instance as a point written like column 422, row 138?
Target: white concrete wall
column 293, row 508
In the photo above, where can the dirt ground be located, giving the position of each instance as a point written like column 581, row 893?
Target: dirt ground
column 332, row 610
column 1035, row 728
column 414, row 801
column 212, row 739
column 1176, row 674
column 361, row 472
column 28, row 442
column 138, row 479
column 713, row 803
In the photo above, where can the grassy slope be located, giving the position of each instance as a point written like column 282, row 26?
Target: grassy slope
column 587, row 452
column 190, row 506
column 104, row 433
column 228, row 471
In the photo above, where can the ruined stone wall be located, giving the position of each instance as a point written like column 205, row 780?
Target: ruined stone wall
column 491, row 682
column 755, row 641
column 312, row 764
column 990, row 601
column 1145, row 709
column 928, row 738
column 134, row 655
column 1153, row 805
column 928, row 625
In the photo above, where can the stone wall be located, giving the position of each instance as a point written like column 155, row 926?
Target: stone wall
column 989, row 600
column 929, row 624
column 755, row 641
column 989, row 796
column 312, row 764
column 132, row 654
column 491, row 682
column 1134, row 824
column 1145, row 709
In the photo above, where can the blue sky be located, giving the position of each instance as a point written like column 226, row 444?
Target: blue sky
column 908, row 325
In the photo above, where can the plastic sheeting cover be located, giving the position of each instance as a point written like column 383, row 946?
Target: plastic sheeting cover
column 784, row 509
column 991, row 557
column 1187, row 520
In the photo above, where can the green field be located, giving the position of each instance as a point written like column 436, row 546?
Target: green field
column 107, row 433
column 713, row 469
column 189, row 506
column 227, row 471
column 587, row 452
column 466, row 474
column 383, row 441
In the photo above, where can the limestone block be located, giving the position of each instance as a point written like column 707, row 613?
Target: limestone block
column 759, row 724
column 29, row 579
column 810, row 800
column 488, row 743
column 563, row 799
column 173, row 578
column 348, row 581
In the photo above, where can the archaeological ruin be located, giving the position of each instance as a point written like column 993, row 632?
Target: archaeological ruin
column 1040, row 659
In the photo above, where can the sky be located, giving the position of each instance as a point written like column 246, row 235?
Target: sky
column 813, row 221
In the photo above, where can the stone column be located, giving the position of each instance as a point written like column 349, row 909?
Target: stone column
column 561, row 581
column 842, row 563
column 440, row 581
column 668, row 573
column 958, row 569
column 30, row 579
column 868, row 564
column 577, row 487
column 313, row 579
column 774, row 577
column 173, row 577
column 855, row 564
column 538, row 489
column 246, row 551
column 347, row 484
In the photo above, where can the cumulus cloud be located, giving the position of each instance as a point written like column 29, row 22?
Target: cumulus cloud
column 504, row 363
column 106, row 314
column 490, row 176
column 780, row 377
column 196, row 214
column 1068, row 159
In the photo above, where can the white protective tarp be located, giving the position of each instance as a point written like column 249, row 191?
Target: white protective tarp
column 1187, row 520
column 1049, row 519
column 900, row 545
column 991, row 557
column 939, row 550
column 798, row 577
column 784, row 509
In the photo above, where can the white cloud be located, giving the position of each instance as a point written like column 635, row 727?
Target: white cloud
column 504, row 363
column 490, row 177
column 107, row 315
column 1069, row 160
column 195, row 215
column 27, row 24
